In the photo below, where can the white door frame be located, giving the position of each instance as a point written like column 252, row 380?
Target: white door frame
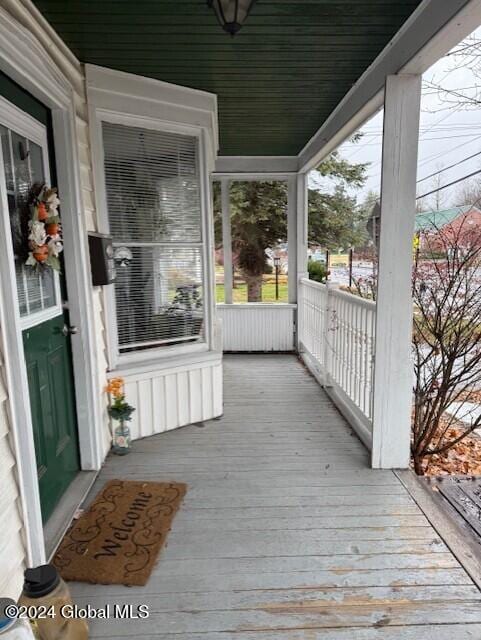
column 24, row 61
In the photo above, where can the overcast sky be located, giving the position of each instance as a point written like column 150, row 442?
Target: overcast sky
column 448, row 132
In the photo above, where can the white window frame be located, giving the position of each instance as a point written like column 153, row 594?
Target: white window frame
column 24, row 125
column 119, row 360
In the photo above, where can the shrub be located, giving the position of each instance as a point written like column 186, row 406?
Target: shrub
column 317, row 271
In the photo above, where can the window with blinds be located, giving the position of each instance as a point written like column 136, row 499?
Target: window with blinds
column 153, row 200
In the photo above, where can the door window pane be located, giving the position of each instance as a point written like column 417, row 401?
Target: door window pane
column 23, row 181
column 24, row 168
column 7, row 158
column 35, row 156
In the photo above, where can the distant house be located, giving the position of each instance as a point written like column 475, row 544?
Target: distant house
column 462, row 223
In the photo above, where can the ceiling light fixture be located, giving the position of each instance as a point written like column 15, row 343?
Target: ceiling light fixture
column 231, row 13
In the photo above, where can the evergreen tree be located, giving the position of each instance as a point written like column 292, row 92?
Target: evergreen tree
column 259, row 217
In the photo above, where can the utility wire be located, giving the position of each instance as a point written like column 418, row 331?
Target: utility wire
column 440, row 155
column 450, row 184
column 427, row 159
column 421, row 139
column 451, row 166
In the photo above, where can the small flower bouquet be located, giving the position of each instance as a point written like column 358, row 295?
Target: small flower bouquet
column 44, row 233
column 121, row 412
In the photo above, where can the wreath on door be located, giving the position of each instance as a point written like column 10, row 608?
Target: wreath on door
column 44, row 230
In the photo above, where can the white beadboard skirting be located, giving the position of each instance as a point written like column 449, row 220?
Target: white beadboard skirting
column 257, row 326
column 174, row 395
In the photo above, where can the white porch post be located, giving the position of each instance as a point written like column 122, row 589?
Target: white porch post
column 297, row 232
column 302, row 220
column 292, row 239
column 298, row 197
column 226, row 240
column 393, row 366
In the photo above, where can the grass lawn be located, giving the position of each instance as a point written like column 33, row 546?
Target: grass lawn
column 239, row 294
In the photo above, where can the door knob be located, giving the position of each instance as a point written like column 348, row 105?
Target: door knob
column 69, row 331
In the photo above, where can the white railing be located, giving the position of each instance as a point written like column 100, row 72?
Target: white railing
column 260, row 327
column 337, row 339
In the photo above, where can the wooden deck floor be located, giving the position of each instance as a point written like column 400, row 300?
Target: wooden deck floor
column 285, row 533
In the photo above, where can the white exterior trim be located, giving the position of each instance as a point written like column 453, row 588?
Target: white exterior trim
column 123, row 98
column 129, row 93
column 292, row 240
column 17, row 384
column 227, row 241
column 393, row 373
column 28, row 64
column 239, row 165
column 302, row 204
column 23, row 124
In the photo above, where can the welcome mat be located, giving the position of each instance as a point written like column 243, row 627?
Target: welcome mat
column 118, row 538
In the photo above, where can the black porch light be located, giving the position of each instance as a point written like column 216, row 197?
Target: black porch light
column 231, row 13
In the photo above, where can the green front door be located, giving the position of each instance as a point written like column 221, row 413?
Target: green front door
column 49, row 370
column 41, row 299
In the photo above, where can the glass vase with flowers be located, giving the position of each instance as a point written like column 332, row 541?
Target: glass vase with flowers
column 120, row 412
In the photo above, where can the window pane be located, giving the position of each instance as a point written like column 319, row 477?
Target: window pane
column 21, row 288
column 35, row 288
column 159, row 296
column 152, row 185
column 36, row 163
column 47, row 283
column 153, row 199
column 259, row 241
column 7, row 158
column 21, row 169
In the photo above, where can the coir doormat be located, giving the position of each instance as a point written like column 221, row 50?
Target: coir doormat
column 118, row 538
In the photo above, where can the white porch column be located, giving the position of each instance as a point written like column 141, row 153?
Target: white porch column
column 226, row 240
column 292, row 239
column 297, row 232
column 393, row 371
column 302, row 220
column 298, row 199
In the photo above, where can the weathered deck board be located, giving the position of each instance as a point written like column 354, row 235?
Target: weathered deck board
column 465, row 496
column 285, row 532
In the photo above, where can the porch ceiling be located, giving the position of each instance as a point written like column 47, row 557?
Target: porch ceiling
column 277, row 81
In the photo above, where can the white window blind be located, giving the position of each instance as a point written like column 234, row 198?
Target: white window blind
column 153, row 200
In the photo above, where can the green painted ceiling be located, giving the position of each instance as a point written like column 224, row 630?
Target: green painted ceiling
column 276, row 81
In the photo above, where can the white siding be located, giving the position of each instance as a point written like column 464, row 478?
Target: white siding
column 12, row 548
column 174, row 397
column 257, row 327
column 12, row 555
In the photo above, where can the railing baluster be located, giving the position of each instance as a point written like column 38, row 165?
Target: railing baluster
column 338, row 334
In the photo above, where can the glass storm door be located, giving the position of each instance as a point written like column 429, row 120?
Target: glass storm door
column 43, row 318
